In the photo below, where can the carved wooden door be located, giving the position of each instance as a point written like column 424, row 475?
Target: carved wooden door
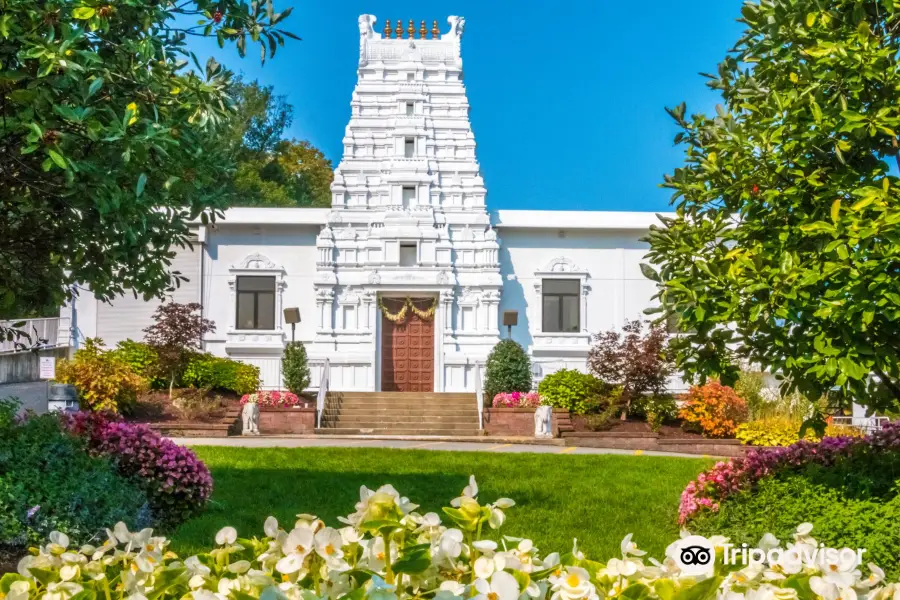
column 407, row 350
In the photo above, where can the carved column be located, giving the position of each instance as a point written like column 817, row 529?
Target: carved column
column 537, row 317
column 369, row 311
column 447, row 304
column 585, row 290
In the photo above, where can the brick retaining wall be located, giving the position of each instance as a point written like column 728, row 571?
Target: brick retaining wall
column 281, row 421
column 518, row 422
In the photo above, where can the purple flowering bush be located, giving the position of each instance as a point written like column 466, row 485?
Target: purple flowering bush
column 516, row 400
column 853, row 454
column 176, row 482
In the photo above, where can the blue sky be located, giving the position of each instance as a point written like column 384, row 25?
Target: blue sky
column 567, row 98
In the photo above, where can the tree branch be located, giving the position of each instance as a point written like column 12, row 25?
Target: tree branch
column 888, row 383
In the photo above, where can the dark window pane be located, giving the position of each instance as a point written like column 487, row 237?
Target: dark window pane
column 570, row 314
column 256, row 284
column 551, row 314
column 562, row 286
column 245, row 309
column 265, row 311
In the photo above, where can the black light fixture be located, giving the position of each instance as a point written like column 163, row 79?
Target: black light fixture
column 292, row 316
column 510, row 320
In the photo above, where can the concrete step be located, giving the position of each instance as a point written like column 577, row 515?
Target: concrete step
column 382, row 411
column 355, row 423
column 398, row 405
column 395, row 431
column 444, row 395
column 399, row 419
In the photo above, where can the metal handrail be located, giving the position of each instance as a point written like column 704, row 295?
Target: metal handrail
column 323, row 392
column 866, row 424
column 479, row 395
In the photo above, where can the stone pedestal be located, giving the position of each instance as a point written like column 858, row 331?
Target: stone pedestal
column 250, row 419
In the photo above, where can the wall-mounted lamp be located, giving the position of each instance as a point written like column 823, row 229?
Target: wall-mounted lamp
column 292, row 316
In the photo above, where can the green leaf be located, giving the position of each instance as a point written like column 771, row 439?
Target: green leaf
column 142, row 182
column 57, row 158
column 861, row 204
column 649, row 272
column 44, row 576
column 665, row 589
column 810, row 19
column 8, row 579
column 705, row 590
column 836, row 210
column 636, row 591
column 83, row 12
column 95, row 85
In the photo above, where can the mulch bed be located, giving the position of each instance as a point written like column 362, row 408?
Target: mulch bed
column 9, row 558
column 155, row 407
column 673, row 431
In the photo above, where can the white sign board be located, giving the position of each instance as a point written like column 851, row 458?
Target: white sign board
column 48, row 367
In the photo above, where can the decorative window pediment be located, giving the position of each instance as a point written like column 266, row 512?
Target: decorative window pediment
column 561, row 308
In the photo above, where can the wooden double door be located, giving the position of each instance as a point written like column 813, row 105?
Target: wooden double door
column 407, row 349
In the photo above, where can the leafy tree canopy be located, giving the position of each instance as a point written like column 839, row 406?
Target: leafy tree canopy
column 272, row 171
column 785, row 248
column 108, row 139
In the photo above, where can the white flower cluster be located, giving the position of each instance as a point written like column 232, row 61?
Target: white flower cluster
column 387, row 551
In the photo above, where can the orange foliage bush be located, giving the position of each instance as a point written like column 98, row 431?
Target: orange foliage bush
column 104, row 381
column 713, row 408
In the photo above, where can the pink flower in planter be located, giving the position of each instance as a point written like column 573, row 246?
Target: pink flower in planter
column 516, row 400
column 272, row 398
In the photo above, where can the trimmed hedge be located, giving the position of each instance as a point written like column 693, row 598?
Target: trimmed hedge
column 572, row 390
column 224, row 374
column 508, row 369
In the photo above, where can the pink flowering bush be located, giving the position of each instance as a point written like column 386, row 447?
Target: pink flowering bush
column 727, row 478
column 177, row 483
column 516, row 400
column 273, row 398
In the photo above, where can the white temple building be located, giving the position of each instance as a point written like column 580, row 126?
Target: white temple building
column 409, row 220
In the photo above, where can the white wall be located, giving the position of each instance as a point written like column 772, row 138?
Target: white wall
column 618, row 290
column 293, row 249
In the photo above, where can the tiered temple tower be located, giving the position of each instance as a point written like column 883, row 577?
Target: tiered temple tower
column 408, row 214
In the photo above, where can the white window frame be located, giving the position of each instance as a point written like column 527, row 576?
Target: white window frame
column 257, row 265
column 561, row 268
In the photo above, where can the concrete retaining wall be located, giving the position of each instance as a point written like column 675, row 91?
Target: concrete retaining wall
column 22, row 367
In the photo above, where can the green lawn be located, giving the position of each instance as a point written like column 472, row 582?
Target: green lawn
column 597, row 498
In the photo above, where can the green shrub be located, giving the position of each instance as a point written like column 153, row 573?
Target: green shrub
column 656, row 409
column 572, row 390
column 49, row 482
column 840, row 517
column 294, row 368
column 142, row 359
column 224, row 374
column 508, row 369
column 104, row 382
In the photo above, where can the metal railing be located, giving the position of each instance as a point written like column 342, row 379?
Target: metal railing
column 479, row 395
column 323, row 392
column 43, row 333
column 867, row 424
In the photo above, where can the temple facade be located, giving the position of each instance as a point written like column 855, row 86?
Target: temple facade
column 403, row 284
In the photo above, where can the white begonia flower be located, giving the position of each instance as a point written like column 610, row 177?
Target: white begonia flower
column 195, row 567
column 296, row 547
column 136, row 596
column 202, row 594
column 196, row 581
column 484, row 567
column 19, row 590
column 629, row 548
column 450, row 543
column 621, row 568
column 841, row 569
column 328, row 544
column 502, row 586
column 574, row 583
column 876, row 576
column 830, row 591
column 270, row 527
column 58, row 542
column 61, row 590
column 240, row 567
column 454, row 587
column 804, row 529
column 470, row 493
column 379, row 590
column 349, row 535
column 767, row 542
column 485, row 546
column 226, row 535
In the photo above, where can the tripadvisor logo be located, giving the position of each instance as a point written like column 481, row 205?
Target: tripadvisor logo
column 693, row 554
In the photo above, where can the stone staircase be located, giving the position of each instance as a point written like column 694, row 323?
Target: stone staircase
column 399, row 413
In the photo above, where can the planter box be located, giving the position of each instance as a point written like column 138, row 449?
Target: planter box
column 518, row 422
column 282, row 421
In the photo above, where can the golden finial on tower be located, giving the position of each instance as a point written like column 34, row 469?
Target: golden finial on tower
column 435, row 32
column 423, row 31
column 387, row 28
column 411, row 29
column 399, row 30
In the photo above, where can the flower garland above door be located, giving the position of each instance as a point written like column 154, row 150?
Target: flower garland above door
column 408, row 306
